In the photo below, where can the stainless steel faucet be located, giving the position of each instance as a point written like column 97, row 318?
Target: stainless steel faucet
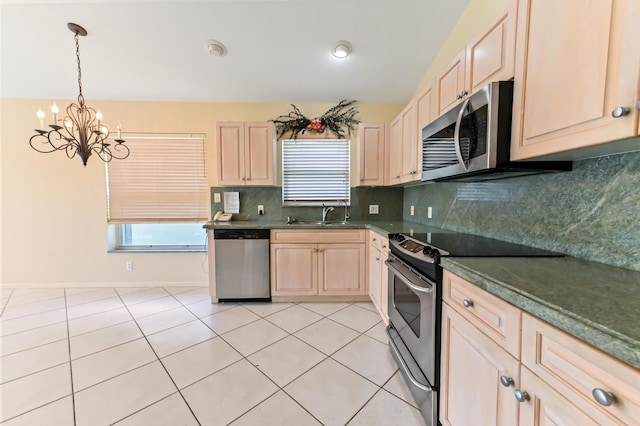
column 325, row 211
column 346, row 209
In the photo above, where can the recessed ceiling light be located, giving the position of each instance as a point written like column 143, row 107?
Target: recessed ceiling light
column 342, row 49
column 215, row 48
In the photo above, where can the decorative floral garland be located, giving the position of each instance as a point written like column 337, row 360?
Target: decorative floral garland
column 334, row 120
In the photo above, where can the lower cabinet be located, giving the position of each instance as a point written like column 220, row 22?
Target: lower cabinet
column 553, row 378
column 318, row 263
column 378, row 276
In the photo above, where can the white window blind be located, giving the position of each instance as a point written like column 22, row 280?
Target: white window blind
column 315, row 171
column 164, row 179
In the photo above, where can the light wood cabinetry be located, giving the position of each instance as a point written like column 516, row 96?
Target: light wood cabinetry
column 405, row 147
column 567, row 87
column 553, row 379
column 371, row 141
column 425, row 104
column 245, row 154
column 472, row 364
column 378, row 277
column 488, row 57
column 318, row 263
column 577, row 371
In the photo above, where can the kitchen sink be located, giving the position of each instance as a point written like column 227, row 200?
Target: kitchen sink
column 320, row 222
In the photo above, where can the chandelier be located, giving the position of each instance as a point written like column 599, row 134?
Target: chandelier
column 81, row 132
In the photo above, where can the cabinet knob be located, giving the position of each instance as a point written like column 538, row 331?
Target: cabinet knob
column 384, row 246
column 521, row 396
column 374, row 239
column 603, row 397
column 398, row 177
column 377, row 258
column 458, row 96
column 506, row 381
column 361, row 179
column 619, row 112
column 467, row 303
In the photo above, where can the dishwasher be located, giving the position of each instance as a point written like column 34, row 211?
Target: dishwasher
column 242, row 265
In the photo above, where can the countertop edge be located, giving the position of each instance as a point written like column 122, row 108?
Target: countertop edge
column 615, row 344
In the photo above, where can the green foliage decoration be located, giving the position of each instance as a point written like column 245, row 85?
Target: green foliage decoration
column 335, row 120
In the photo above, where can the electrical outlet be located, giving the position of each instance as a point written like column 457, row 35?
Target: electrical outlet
column 216, row 197
column 374, row 209
column 412, row 211
column 129, row 266
column 260, row 209
column 429, row 212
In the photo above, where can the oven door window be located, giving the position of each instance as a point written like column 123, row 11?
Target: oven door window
column 407, row 303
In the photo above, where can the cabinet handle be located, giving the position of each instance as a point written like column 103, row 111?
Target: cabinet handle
column 361, row 179
column 506, row 381
column 603, row 397
column 619, row 112
column 458, row 96
column 374, row 239
column 398, row 177
column 521, row 396
column 465, row 93
column 384, row 246
column 467, row 303
column 315, row 250
column 377, row 258
column 321, row 250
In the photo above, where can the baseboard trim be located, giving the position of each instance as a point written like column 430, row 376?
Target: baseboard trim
column 106, row 284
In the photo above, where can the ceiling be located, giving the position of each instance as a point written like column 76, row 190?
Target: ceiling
column 278, row 50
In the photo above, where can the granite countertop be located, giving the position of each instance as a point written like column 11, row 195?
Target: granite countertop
column 383, row 227
column 597, row 303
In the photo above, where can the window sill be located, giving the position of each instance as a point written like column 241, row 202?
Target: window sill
column 158, row 250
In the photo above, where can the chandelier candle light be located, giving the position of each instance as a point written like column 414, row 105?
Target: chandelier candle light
column 82, row 131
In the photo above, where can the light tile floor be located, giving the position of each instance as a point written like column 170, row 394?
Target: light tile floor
column 167, row 356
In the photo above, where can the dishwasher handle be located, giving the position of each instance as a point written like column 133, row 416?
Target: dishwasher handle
column 241, row 234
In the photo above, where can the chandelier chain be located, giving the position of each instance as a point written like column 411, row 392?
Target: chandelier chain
column 80, row 97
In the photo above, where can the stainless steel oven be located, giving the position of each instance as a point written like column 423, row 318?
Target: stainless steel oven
column 413, row 318
column 415, row 303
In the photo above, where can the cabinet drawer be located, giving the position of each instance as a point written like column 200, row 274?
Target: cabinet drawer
column 378, row 241
column 318, row 236
column 493, row 316
column 576, row 369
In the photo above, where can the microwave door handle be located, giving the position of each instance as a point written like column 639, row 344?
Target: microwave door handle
column 456, row 134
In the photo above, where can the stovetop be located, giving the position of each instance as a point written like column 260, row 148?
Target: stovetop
column 467, row 245
column 423, row 251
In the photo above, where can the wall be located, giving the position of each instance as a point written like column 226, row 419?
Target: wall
column 53, row 210
column 591, row 212
column 389, row 201
column 474, row 19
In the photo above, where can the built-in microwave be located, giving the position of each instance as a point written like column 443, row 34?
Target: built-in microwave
column 472, row 141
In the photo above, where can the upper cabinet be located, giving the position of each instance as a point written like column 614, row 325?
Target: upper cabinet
column 404, row 146
column 576, row 84
column 488, row 57
column 371, row 141
column 245, row 154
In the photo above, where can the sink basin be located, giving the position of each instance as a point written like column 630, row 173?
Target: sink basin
column 319, row 222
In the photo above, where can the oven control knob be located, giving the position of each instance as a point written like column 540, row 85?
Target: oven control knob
column 430, row 251
column 426, row 251
column 399, row 238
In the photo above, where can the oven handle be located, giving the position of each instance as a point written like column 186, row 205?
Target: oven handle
column 409, row 284
column 404, row 365
column 456, row 134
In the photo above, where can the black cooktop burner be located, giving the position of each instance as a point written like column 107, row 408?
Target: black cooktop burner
column 466, row 245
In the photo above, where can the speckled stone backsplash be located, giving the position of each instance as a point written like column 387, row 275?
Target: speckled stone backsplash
column 592, row 212
column 389, row 201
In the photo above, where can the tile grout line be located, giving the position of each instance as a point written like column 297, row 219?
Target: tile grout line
column 73, row 394
column 161, row 363
column 4, row 306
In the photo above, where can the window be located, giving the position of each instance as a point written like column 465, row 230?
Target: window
column 315, row 172
column 158, row 198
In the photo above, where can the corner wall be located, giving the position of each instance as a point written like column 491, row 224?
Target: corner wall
column 53, row 211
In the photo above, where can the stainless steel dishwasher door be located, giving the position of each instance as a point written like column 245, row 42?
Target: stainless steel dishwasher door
column 242, row 265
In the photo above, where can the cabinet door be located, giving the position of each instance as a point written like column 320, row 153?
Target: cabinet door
column 294, row 269
column 384, row 287
column 374, row 277
column 567, row 86
column 490, row 56
column 259, row 154
column 395, row 151
column 450, row 84
column 231, row 153
column 410, row 145
column 371, row 137
column 341, row 269
column 472, row 364
column 425, row 104
column 545, row 406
